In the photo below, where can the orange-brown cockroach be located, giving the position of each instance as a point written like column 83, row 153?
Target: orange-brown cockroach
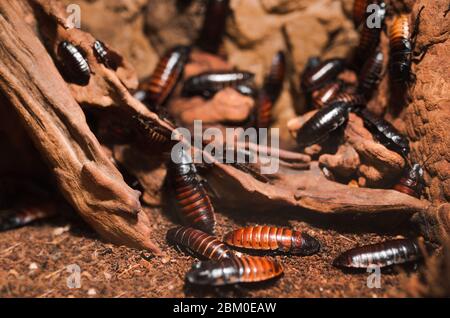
column 402, row 40
column 234, row 270
column 196, row 209
column 371, row 74
column 211, row 34
column 155, row 90
column 369, row 37
column 25, row 214
column 273, row 239
column 199, row 243
column 273, row 85
column 412, row 182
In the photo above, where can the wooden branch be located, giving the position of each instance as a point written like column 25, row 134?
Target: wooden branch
column 57, row 126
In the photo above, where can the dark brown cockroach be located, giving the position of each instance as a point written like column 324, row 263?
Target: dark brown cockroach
column 200, row 243
column 75, row 66
column 402, row 41
column 359, row 11
column 320, row 75
column 384, row 254
column 195, row 207
column 25, row 214
column 385, row 133
column 271, row 90
column 155, row 90
column 354, row 101
column 105, row 56
column 412, row 181
column 234, row 270
column 273, row 239
column 369, row 38
column 371, row 74
column 322, row 97
column 153, row 133
column 213, row 29
column 320, row 126
column 209, row 83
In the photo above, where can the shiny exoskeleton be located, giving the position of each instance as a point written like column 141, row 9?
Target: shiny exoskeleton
column 273, row 239
column 155, row 90
column 25, row 214
column 75, row 65
column 320, row 75
column 402, row 39
column 385, row 133
column 195, row 207
column 322, row 97
column 199, row 243
column 214, row 24
column 371, row 74
column 235, row 270
column 412, row 182
column 271, row 90
column 209, row 83
column 105, row 56
column 154, row 134
column 354, row 101
column 369, row 36
column 380, row 255
column 320, row 126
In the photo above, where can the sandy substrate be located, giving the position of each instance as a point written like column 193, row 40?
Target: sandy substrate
column 34, row 260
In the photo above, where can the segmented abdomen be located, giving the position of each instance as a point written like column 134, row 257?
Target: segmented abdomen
column 322, row 97
column 400, row 33
column 320, row 75
column 370, row 75
column 273, row 239
column 383, row 254
column 199, row 242
column 74, row 63
column 244, row 269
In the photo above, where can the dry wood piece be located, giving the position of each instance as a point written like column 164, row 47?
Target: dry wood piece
column 55, row 122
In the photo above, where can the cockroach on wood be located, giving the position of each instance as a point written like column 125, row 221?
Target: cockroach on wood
column 209, row 83
column 369, row 37
column 317, row 77
column 199, row 243
column 384, row 254
column 412, row 182
column 155, row 90
column 371, row 74
column 105, row 56
column 213, row 29
column 402, row 41
column 273, row 239
column 75, row 65
column 271, row 90
column 235, row 270
column 320, row 126
column 195, row 207
column 385, row 133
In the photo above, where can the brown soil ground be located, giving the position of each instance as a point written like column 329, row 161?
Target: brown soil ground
column 112, row 271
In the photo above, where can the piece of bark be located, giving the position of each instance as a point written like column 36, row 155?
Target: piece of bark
column 55, row 122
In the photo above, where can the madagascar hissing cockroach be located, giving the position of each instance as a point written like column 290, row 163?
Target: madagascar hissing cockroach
column 320, row 126
column 213, row 29
column 273, row 239
column 199, row 243
column 105, row 56
column 234, row 270
column 195, row 207
column 155, row 90
column 380, row 255
column 322, row 97
column 402, row 41
column 25, row 214
column 209, row 83
column 411, row 182
column 75, row 66
column 371, row 74
column 359, row 12
column 153, row 133
column 369, row 37
column 320, row 75
column 385, row 133
column 354, row 101
column 271, row 90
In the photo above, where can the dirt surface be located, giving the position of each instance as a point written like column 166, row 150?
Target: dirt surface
column 34, row 260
